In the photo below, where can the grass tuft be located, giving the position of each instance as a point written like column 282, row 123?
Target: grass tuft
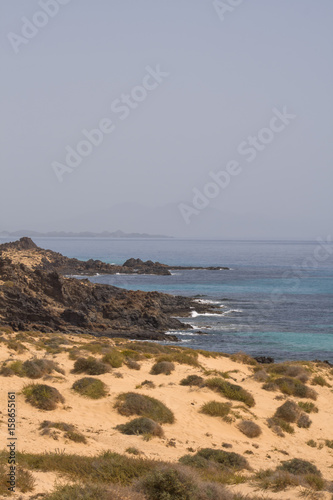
column 230, row 391
column 162, row 367
column 141, row 425
column 90, row 366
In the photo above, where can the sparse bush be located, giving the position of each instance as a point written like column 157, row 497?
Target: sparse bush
column 183, row 357
column 216, row 409
column 308, row 407
column 132, row 364
column 11, row 368
column 289, row 370
column 260, row 376
column 165, row 367
column 92, row 492
column 114, row 358
column 329, row 443
column 68, row 429
column 18, row 347
column 242, row 357
column 77, row 437
column 225, row 459
column 278, row 425
column 192, row 380
column 179, row 483
column 146, row 384
column 289, row 412
column 90, row 366
column 294, row 387
column 90, row 387
column 304, row 421
column 319, row 380
column 131, row 403
column 42, row 396
column 230, row 391
column 141, row 425
column 298, row 466
column 249, row 428
column 312, row 443
column 133, row 451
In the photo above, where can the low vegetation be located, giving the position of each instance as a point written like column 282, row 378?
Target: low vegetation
column 216, row 409
column 130, row 403
column 319, row 380
column 90, row 387
column 69, row 431
column 113, row 358
column 192, row 380
column 165, row 367
column 33, row 368
column 308, row 407
column 290, row 412
column 25, row 481
column 230, row 391
column 141, row 425
column 42, row 396
column 249, row 428
column 291, row 387
column 90, row 366
column 208, row 456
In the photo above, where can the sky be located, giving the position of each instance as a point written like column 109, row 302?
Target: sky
column 190, row 118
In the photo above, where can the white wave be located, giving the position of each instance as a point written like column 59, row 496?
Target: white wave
column 206, row 301
column 195, row 314
column 232, row 310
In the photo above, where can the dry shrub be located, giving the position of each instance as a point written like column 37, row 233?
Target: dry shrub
column 90, row 366
column 141, row 425
column 206, row 457
column 249, row 428
column 319, row 380
column 216, row 409
column 230, row 391
column 192, row 380
column 289, row 370
column 130, row 403
column 90, row 387
column 242, row 357
column 132, row 364
column 294, row 387
column 114, row 358
column 165, row 367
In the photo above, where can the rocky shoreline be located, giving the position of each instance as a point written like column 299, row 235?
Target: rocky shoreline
column 35, row 294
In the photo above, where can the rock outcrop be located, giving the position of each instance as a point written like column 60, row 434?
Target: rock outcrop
column 34, row 295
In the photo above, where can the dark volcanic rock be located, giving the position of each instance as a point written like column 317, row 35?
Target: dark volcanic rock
column 264, row 359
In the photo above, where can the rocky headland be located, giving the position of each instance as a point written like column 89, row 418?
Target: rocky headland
column 36, row 294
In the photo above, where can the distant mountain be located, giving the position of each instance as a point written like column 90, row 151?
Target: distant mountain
column 82, row 234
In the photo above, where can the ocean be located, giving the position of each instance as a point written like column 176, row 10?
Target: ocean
column 276, row 299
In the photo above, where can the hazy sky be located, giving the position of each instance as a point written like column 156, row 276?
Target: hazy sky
column 201, row 88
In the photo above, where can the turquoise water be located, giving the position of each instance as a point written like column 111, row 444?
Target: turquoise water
column 276, row 300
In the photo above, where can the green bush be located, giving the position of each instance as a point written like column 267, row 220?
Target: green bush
column 141, row 425
column 90, row 366
column 90, row 387
column 32, row 368
column 319, row 380
column 224, row 459
column 183, row 358
column 242, row 357
column 230, row 391
column 42, row 396
column 8, row 369
column 308, row 407
column 312, row 443
column 130, row 403
column 165, row 367
column 192, row 380
column 114, row 358
column 216, row 409
column 249, row 428
column 278, row 425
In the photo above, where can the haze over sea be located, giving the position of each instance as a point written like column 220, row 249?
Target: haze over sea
column 277, row 299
